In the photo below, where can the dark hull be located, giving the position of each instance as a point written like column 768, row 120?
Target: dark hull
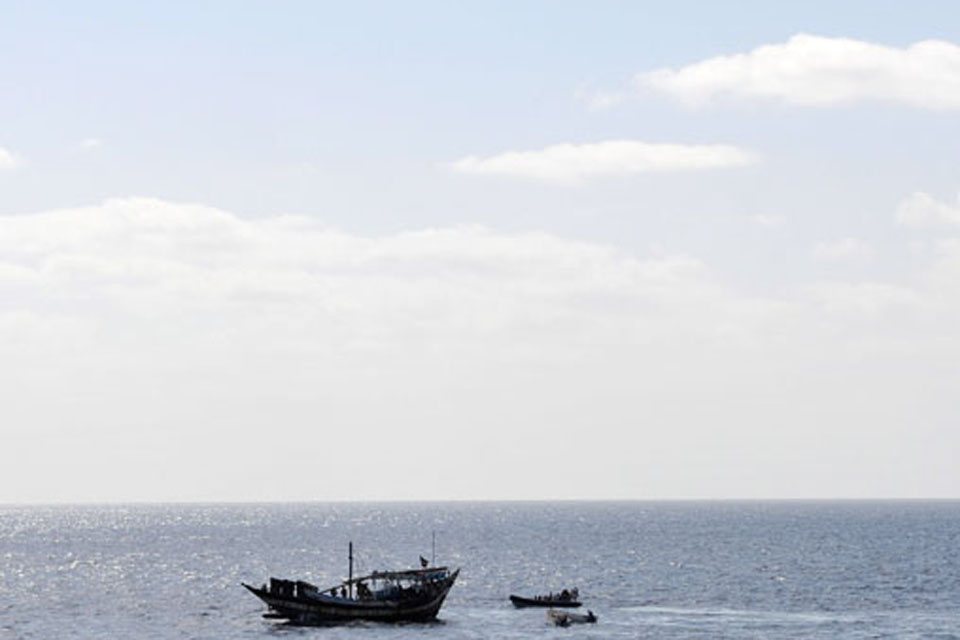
column 306, row 610
column 520, row 601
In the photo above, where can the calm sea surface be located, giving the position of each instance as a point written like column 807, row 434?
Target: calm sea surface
column 648, row 570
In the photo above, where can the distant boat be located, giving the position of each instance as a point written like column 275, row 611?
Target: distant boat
column 563, row 599
column 565, row 618
column 413, row 595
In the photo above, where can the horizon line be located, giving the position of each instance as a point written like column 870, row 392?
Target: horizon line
column 405, row 501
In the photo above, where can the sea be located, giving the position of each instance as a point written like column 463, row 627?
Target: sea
column 663, row 570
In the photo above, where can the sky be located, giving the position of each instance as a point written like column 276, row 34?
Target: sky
column 272, row 251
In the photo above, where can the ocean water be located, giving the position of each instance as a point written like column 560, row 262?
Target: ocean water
column 648, row 570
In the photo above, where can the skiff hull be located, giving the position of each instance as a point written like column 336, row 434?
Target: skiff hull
column 520, row 601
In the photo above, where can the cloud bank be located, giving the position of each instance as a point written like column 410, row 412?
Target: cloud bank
column 575, row 163
column 845, row 249
column 818, row 71
column 140, row 335
column 921, row 210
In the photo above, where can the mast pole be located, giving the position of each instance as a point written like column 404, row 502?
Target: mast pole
column 350, row 579
column 433, row 559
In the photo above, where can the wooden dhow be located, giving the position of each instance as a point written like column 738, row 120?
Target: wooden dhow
column 413, row 595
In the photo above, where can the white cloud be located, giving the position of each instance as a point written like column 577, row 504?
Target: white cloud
column 599, row 100
column 573, row 163
column 922, row 210
column 944, row 276
column 169, row 255
column 845, row 249
column 155, row 324
column 7, row 159
column 818, row 71
column 766, row 220
column 870, row 298
column 602, row 100
column 91, row 143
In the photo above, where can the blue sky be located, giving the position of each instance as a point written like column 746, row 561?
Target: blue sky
column 666, row 225
column 300, row 108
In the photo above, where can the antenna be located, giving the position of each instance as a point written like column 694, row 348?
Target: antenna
column 350, row 579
